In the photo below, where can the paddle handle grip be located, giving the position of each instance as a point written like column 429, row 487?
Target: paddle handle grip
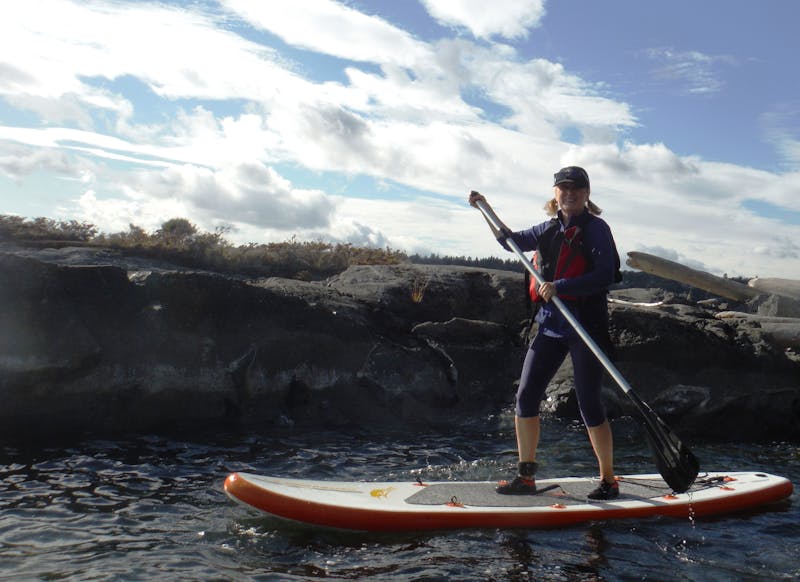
column 492, row 218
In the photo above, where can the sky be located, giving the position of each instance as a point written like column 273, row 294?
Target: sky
column 369, row 121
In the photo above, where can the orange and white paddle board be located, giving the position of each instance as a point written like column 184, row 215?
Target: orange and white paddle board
column 403, row 506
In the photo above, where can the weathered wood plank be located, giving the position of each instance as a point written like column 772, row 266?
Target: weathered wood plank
column 683, row 274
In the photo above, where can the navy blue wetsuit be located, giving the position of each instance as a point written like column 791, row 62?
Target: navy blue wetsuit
column 556, row 337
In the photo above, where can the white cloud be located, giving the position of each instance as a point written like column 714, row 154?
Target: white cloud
column 116, row 214
column 77, row 42
column 19, row 161
column 781, row 128
column 506, row 18
column 319, row 25
column 695, row 73
column 250, row 197
column 248, row 192
column 327, row 126
column 541, row 95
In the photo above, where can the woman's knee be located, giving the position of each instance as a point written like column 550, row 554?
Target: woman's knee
column 527, row 407
column 594, row 416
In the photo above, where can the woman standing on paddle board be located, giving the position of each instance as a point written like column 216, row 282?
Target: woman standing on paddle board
column 576, row 254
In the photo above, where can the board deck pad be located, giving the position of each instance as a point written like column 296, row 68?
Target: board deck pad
column 567, row 493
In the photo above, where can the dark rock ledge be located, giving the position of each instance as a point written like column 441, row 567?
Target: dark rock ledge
column 92, row 341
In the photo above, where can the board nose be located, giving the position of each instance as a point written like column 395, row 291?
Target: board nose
column 230, row 480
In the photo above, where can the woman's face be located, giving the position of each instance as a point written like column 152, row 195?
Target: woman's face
column 571, row 199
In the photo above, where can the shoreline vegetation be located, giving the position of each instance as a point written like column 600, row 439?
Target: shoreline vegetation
column 179, row 241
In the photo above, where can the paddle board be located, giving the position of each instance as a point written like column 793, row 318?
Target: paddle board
column 399, row 506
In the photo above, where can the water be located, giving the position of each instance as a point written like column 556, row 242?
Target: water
column 152, row 507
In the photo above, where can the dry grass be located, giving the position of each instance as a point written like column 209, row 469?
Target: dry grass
column 418, row 286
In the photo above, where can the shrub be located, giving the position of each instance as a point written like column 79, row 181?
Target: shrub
column 19, row 228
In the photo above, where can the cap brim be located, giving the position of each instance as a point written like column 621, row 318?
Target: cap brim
column 568, row 181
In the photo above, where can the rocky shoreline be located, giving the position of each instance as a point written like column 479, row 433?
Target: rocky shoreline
column 93, row 341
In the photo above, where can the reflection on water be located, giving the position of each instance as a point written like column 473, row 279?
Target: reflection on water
column 153, row 507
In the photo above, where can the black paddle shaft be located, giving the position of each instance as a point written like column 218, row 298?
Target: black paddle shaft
column 676, row 463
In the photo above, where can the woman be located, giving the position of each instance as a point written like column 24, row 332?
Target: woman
column 578, row 259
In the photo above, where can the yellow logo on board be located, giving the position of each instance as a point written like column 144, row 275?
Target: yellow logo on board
column 381, row 492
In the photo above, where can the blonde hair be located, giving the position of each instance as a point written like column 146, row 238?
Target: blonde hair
column 552, row 207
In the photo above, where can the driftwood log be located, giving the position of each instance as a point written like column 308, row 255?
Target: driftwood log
column 700, row 279
column 785, row 287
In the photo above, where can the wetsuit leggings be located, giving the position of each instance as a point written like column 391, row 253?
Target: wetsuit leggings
column 542, row 361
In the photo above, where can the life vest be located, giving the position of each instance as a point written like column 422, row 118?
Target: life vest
column 562, row 255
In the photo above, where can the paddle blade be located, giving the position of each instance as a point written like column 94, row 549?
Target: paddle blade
column 675, row 462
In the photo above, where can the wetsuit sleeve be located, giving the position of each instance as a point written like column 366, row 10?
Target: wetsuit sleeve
column 598, row 239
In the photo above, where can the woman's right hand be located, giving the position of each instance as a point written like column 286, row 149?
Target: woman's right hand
column 475, row 197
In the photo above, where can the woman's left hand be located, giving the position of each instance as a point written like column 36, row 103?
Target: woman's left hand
column 475, row 197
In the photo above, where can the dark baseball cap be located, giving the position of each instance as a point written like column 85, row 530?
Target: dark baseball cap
column 574, row 174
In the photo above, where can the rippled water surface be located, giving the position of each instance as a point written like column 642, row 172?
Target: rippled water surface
column 152, row 507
